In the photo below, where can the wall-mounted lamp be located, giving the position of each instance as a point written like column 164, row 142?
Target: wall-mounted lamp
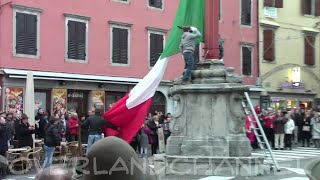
column 100, row 85
column 62, row 83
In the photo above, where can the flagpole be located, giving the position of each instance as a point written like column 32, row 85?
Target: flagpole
column 211, row 50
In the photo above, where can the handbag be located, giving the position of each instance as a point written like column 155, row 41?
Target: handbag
column 306, row 128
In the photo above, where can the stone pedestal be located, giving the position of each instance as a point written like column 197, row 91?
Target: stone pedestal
column 209, row 124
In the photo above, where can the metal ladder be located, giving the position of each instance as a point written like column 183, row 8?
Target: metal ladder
column 261, row 137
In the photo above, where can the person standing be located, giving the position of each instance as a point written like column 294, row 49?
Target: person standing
column 298, row 121
column 52, row 139
column 25, row 132
column 187, row 48
column 268, row 119
column 10, row 126
column 288, row 129
column 4, row 138
column 279, row 123
column 96, row 124
column 316, row 130
column 145, row 140
column 153, row 126
column 73, row 124
column 306, row 130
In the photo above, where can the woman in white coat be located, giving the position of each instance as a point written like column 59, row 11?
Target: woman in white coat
column 288, row 130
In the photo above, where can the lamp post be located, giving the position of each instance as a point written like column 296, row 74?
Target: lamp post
column 212, row 30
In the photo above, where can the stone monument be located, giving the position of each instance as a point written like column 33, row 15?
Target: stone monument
column 208, row 128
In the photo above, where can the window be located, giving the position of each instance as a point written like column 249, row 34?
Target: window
column 268, row 45
column 120, row 45
column 156, row 4
column 26, row 33
column 156, row 45
column 309, row 50
column 273, row 3
column 76, row 38
column 310, row 7
column 246, row 9
column 246, row 55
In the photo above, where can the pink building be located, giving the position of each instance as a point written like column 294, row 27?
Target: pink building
column 239, row 32
column 83, row 54
column 88, row 54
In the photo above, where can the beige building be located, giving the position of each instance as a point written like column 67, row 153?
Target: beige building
column 289, row 52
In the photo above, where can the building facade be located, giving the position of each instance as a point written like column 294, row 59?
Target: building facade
column 82, row 54
column 239, row 36
column 289, row 52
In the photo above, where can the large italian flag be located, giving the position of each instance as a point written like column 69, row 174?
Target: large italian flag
column 130, row 112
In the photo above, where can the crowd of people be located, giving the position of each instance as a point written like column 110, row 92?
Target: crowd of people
column 285, row 127
column 148, row 136
column 16, row 131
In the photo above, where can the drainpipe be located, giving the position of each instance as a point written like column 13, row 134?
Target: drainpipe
column 258, row 44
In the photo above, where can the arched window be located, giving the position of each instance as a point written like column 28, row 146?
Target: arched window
column 158, row 102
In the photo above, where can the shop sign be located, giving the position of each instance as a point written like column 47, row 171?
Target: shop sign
column 270, row 12
column 306, row 99
column 75, row 95
column 14, row 99
column 277, row 99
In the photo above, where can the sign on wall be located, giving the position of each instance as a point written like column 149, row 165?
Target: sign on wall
column 59, row 101
column 270, row 12
column 14, row 99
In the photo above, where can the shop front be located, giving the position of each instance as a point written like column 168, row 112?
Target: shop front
column 292, row 101
column 59, row 95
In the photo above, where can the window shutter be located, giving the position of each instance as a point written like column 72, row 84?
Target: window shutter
column 153, row 49
column 279, row 3
column 31, row 34
column 81, row 40
column 72, row 40
column 304, row 9
column 21, row 36
column 309, row 51
column 123, row 49
column 26, row 34
column 268, row 3
column 246, row 61
column 246, row 12
column 317, row 7
column 115, row 45
column 268, row 45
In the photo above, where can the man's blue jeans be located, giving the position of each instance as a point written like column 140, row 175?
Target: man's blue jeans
column 189, row 60
column 91, row 140
column 48, row 154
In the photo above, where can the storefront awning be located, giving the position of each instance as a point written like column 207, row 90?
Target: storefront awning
column 43, row 75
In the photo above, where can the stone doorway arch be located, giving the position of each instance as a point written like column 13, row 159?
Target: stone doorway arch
column 159, row 102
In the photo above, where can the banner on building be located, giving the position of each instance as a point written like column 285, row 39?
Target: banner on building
column 14, row 99
column 59, row 102
column 97, row 99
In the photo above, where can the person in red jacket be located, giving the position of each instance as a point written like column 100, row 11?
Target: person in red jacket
column 250, row 131
column 73, row 124
column 268, row 119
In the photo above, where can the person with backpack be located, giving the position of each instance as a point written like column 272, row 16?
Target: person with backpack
column 52, row 139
